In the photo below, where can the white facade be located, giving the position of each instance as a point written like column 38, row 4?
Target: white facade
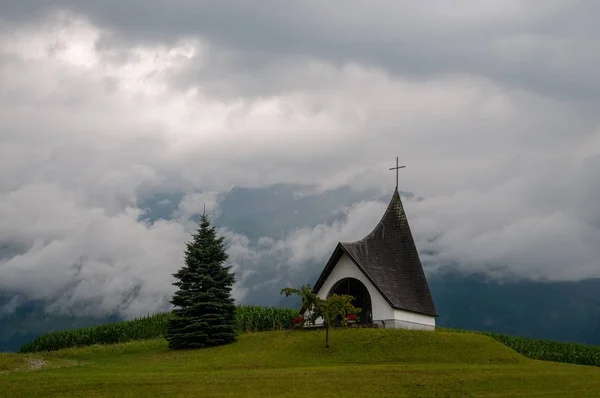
column 383, row 313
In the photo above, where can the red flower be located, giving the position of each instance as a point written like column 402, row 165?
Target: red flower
column 298, row 320
column 351, row 317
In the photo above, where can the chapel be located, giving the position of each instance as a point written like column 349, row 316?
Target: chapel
column 383, row 273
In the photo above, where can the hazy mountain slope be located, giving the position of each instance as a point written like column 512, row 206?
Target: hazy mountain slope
column 276, row 210
column 31, row 320
column 567, row 311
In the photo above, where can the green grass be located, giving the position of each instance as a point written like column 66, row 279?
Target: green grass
column 546, row 350
column 360, row 362
column 248, row 318
column 256, row 318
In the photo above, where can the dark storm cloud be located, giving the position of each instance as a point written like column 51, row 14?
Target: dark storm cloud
column 545, row 46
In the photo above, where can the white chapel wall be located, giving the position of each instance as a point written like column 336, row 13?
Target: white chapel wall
column 412, row 320
column 382, row 311
column 345, row 268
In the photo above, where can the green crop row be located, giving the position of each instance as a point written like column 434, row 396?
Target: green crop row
column 546, row 350
column 143, row 328
column 248, row 318
column 254, row 318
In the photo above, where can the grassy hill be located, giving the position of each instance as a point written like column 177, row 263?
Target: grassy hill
column 361, row 362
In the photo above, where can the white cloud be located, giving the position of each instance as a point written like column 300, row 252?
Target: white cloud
column 85, row 258
column 509, row 174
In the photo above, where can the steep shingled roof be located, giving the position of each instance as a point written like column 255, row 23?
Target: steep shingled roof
column 389, row 259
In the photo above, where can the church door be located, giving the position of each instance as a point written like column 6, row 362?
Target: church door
column 355, row 288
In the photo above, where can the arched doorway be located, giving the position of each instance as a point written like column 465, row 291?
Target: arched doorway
column 362, row 299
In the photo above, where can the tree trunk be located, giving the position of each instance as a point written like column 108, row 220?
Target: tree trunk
column 326, row 334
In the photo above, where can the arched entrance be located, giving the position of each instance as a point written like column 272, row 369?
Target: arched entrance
column 362, row 299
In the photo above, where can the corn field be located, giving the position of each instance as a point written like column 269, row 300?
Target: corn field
column 547, row 350
column 248, row 319
column 256, row 319
column 143, row 328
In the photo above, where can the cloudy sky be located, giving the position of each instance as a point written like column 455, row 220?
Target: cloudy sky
column 492, row 105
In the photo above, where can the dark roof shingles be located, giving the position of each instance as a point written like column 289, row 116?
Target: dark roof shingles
column 389, row 257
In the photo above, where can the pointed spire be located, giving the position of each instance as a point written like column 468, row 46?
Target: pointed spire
column 389, row 256
column 390, row 260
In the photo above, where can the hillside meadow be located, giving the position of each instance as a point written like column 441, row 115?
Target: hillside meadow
column 360, row 363
column 260, row 318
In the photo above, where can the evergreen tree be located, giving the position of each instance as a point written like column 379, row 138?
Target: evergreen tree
column 204, row 313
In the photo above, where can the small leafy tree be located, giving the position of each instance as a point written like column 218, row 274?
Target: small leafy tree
column 204, row 313
column 329, row 309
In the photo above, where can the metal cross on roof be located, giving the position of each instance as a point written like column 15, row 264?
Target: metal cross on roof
column 397, row 168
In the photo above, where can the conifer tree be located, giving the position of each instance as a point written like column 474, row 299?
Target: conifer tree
column 204, row 311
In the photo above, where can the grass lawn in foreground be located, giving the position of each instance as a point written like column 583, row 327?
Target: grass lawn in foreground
column 360, row 362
